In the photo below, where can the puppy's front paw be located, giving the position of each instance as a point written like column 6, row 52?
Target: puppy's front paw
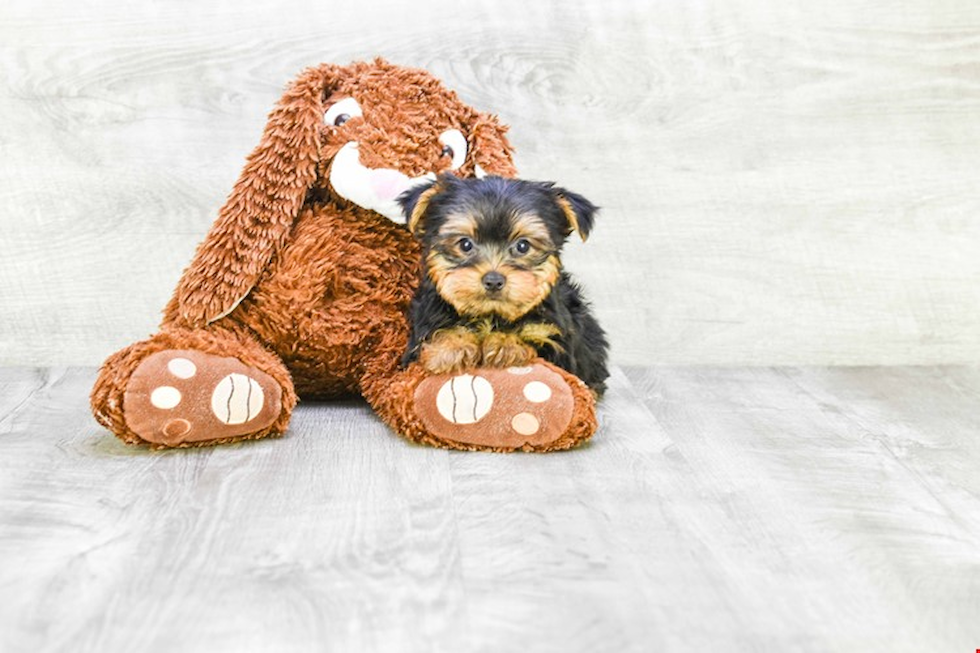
column 506, row 350
column 452, row 350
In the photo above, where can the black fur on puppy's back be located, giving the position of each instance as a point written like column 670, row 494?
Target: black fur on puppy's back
column 584, row 347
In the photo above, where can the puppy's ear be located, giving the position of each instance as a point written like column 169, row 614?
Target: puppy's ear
column 579, row 211
column 257, row 217
column 414, row 203
column 490, row 151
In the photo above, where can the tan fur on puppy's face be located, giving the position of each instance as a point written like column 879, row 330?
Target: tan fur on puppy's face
column 463, row 287
column 532, row 227
column 459, row 276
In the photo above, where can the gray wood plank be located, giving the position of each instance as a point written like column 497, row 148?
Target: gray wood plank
column 580, row 546
column 791, row 185
column 338, row 537
column 851, row 523
column 747, row 509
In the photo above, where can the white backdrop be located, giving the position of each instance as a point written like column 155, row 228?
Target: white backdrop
column 782, row 182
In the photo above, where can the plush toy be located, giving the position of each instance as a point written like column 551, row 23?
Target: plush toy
column 302, row 285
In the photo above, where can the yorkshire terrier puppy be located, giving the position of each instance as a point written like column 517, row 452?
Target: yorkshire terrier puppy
column 493, row 292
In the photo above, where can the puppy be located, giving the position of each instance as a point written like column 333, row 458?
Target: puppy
column 493, row 292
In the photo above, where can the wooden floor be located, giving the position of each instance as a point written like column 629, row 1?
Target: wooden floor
column 765, row 509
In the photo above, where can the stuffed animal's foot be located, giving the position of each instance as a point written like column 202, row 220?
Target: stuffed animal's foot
column 178, row 397
column 529, row 408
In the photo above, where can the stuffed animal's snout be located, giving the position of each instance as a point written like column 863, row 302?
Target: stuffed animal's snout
column 375, row 189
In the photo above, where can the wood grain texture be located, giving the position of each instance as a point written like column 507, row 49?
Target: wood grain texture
column 343, row 539
column 791, row 184
column 786, row 509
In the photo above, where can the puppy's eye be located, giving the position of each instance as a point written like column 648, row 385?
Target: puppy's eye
column 465, row 245
column 342, row 111
column 454, row 146
column 522, row 247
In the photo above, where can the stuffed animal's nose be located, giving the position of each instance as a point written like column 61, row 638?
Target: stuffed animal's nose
column 493, row 281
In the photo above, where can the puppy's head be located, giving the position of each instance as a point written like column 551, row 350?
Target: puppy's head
column 492, row 245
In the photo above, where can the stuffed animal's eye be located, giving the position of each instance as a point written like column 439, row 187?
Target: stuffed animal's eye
column 465, row 245
column 342, row 111
column 522, row 247
column 454, row 146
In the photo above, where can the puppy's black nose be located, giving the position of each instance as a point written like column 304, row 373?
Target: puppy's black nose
column 493, row 281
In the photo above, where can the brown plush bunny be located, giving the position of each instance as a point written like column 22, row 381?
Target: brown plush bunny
column 303, row 283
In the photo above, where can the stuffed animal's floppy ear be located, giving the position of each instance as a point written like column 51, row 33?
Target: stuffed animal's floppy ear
column 259, row 213
column 579, row 211
column 491, row 151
